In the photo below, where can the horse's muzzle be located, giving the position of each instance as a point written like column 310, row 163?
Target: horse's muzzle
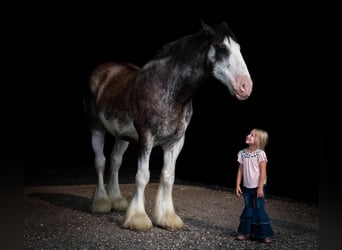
column 243, row 86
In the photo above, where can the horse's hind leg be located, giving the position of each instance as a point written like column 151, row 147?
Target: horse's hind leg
column 164, row 214
column 118, row 202
column 100, row 202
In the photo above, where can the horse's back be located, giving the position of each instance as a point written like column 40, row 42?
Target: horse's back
column 110, row 83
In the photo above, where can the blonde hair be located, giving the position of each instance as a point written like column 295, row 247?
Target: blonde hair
column 261, row 138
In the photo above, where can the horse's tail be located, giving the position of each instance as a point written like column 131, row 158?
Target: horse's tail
column 90, row 109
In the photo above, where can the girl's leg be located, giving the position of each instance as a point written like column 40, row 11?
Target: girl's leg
column 261, row 225
column 245, row 225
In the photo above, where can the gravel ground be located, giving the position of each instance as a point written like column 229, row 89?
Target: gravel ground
column 58, row 217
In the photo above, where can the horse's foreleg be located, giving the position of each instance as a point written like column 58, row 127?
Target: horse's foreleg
column 100, row 202
column 118, row 202
column 164, row 214
column 136, row 217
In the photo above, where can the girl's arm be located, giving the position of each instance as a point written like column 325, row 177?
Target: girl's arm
column 262, row 179
column 238, row 181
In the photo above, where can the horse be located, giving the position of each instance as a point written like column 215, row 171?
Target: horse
column 152, row 106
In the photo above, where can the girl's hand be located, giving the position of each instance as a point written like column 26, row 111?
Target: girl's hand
column 238, row 191
column 260, row 193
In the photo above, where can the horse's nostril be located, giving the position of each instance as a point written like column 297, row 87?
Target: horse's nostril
column 243, row 86
column 246, row 85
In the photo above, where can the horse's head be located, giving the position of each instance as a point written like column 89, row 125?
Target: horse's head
column 226, row 61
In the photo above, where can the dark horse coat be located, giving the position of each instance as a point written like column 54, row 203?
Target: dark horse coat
column 152, row 106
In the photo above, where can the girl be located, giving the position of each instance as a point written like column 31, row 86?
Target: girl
column 254, row 221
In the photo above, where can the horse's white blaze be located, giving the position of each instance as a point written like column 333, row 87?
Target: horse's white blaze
column 231, row 71
column 236, row 62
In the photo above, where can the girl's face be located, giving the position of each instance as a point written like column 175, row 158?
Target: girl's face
column 250, row 138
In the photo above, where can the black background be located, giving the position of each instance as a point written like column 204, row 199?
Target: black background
column 64, row 43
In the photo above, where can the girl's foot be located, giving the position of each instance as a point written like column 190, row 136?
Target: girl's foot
column 242, row 237
column 267, row 240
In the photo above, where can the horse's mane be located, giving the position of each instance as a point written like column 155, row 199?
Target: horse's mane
column 223, row 30
column 187, row 47
column 184, row 48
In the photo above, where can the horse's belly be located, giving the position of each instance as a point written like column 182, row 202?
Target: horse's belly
column 121, row 129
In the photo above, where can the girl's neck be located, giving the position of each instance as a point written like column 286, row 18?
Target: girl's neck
column 251, row 149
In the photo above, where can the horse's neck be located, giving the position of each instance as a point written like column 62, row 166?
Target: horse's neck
column 180, row 67
column 186, row 78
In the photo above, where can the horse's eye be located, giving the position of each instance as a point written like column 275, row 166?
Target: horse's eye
column 222, row 49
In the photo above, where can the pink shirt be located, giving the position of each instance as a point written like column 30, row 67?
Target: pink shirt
column 250, row 169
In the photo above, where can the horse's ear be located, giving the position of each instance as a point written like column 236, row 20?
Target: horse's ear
column 224, row 24
column 207, row 29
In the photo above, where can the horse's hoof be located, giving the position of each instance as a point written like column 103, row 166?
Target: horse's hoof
column 171, row 222
column 100, row 206
column 119, row 204
column 139, row 222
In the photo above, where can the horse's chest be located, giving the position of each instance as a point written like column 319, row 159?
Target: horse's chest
column 168, row 123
